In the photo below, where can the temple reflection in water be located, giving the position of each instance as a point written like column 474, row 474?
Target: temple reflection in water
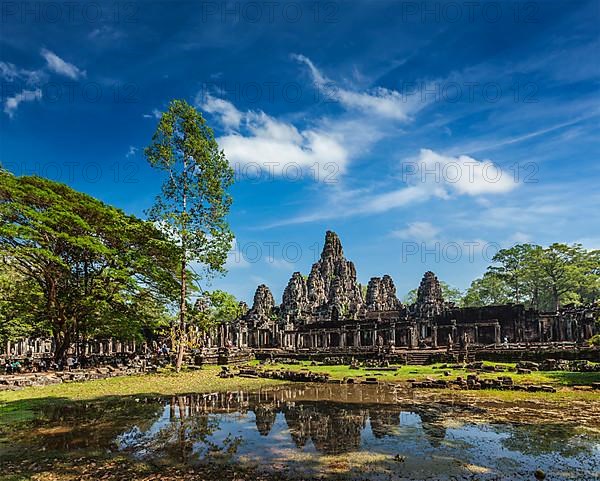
column 333, row 420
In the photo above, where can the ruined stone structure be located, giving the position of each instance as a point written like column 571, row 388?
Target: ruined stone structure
column 327, row 310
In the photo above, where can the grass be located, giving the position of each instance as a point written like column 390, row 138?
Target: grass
column 562, row 380
column 21, row 405
column 436, row 371
column 16, row 406
column 163, row 383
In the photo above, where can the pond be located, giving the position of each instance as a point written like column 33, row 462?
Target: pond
column 370, row 432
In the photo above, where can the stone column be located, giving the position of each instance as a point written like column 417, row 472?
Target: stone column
column 434, row 336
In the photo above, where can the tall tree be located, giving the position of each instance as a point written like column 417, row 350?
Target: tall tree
column 490, row 289
column 194, row 201
column 89, row 260
column 564, row 268
column 512, row 268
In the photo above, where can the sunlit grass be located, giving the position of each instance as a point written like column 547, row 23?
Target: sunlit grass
column 16, row 406
column 404, row 373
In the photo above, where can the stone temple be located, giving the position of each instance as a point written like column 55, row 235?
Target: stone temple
column 329, row 311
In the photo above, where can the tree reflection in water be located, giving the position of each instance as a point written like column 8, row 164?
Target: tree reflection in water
column 300, row 427
column 311, row 428
column 185, row 431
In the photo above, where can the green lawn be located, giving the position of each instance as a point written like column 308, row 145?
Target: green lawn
column 435, row 371
column 20, row 405
column 558, row 379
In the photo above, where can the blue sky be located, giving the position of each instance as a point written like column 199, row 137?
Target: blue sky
column 427, row 135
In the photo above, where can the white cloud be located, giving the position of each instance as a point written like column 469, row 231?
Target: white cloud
column 519, row 238
column 431, row 176
column 229, row 115
column 279, row 263
column 131, row 152
column 261, row 141
column 493, row 144
column 462, row 174
column 419, row 231
column 60, row 66
column 12, row 103
column 105, row 32
column 156, row 114
column 379, row 101
column 10, row 73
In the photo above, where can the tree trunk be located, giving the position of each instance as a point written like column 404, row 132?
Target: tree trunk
column 61, row 348
column 182, row 308
column 556, row 298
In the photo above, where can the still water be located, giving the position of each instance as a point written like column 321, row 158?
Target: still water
column 334, row 431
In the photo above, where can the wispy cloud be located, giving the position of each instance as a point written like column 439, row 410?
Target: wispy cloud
column 60, row 66
column 279, row 263
column 378, row 101
column 11, row 73
column 432, row 176
column 11, row 104
column 105, row 33
column 229, row 115
column 155, row 114
column 235, row 258
column 417, row 231
column 492, row 144
column 255, row 138
column 131, row 152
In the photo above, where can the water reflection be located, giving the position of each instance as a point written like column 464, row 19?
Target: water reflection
column 348, row 431
column 314, row 428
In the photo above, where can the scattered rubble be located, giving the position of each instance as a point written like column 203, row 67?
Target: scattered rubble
column 474, row 382
column 18, row 381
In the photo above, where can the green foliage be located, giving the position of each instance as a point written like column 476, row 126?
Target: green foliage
column 595, row 340
column 86, row 265
column 194, row 201
column 21, row 306
column 210, row 311
column 193, row 205
column 543, row 278
column 511, row 269
column 491, row 289
column 410, row 297
column 224, row 307
column 450, row 294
